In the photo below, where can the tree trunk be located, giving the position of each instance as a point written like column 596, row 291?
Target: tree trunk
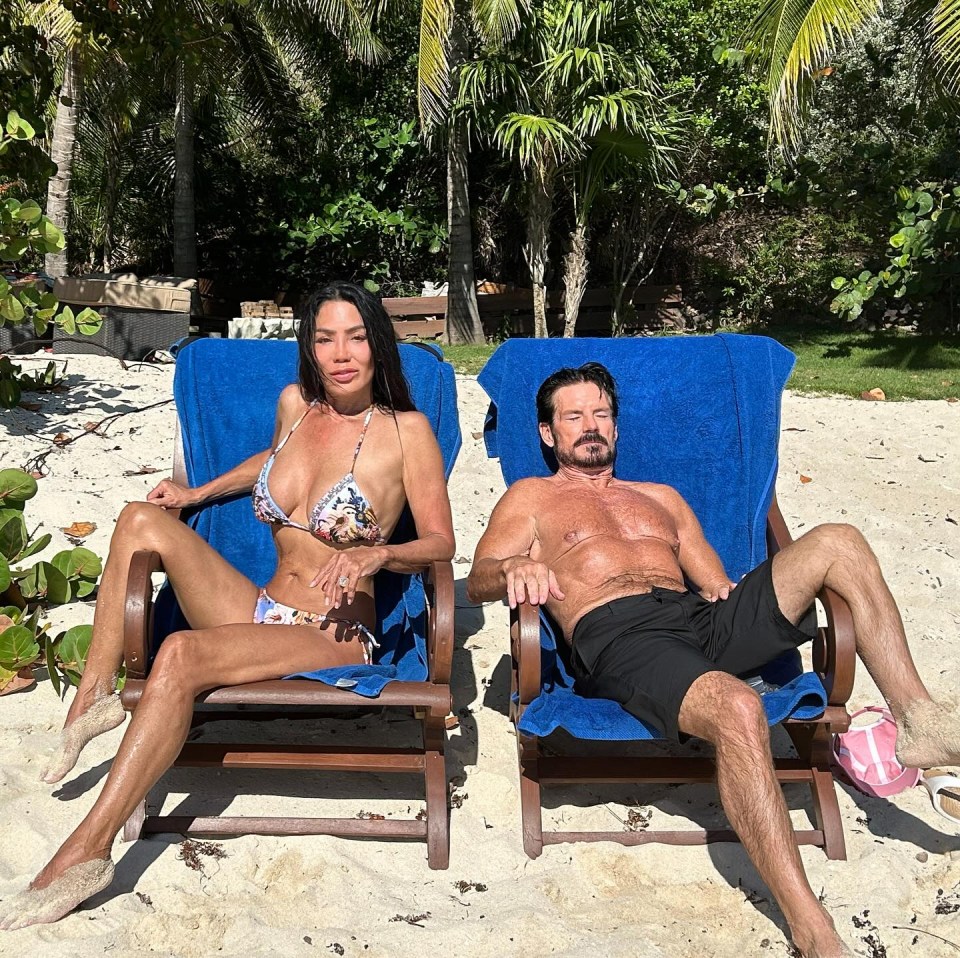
column 61, row 152
column 463, row 316
column 184, row 216
column 574, row 278
column 539, row 214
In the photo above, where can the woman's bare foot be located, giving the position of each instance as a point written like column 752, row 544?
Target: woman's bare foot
column 929, row 734
column 105, row 713
column 38, row 905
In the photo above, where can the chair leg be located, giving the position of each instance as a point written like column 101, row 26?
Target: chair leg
column 827, row 814
column 437, row 793
column 530, row 808
column 812, row 743
column 133, row 826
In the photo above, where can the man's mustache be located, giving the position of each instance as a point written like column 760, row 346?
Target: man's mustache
column 591, row 437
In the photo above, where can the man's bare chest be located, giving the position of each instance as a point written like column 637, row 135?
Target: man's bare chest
column 621, row 513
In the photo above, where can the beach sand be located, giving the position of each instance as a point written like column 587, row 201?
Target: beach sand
column 893, row 469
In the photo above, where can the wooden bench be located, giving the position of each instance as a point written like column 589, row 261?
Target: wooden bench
column 424, row 317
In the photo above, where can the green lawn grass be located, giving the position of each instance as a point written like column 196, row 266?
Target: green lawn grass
column 844, row 362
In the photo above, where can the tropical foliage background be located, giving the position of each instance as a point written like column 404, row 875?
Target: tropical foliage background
column 779, row 159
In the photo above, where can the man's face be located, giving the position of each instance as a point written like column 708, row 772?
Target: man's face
column 583, row 434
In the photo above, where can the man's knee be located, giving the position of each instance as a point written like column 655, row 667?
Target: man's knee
column 840, row 540
column 723, row 710
column 741, row 719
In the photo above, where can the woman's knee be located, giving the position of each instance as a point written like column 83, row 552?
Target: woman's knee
column 175, row 663
column 139, row 521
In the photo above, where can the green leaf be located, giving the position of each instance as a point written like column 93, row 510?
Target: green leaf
column 18, row 648
column 52, row 671
column 4, row 575
column 38, row 545
column 29, row 212
column 838, row 282
column 67, row 322
column 73, row 647
column 17, row 485
column 924, row 203
column 89, row 321
column 9, row 393
column 11, row 308
column 14, row 249
column 78, row 562
column 44, row 580
column 13, row 533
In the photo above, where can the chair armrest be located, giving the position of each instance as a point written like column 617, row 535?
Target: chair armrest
column 835, row 648
column 440, row 624
column 525, row 649
column 138, row 612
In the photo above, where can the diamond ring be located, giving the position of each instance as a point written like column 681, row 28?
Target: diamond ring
column 343, row 581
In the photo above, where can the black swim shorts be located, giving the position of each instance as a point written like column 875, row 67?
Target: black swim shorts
column 645, row 651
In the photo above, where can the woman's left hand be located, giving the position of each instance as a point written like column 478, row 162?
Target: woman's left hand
column 341, row 575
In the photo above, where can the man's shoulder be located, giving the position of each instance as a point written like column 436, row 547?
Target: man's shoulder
column 527, row 487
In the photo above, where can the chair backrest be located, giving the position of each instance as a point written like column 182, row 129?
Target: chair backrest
column 226, row 393
column 701, row 414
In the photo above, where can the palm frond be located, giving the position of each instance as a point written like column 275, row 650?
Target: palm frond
column 944, row 34
column 530, row 137
column 791, row 40
column 498, row 20
column 433, row 64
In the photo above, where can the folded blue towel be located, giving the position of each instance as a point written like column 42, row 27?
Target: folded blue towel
column 226, row 393
column 701, row 414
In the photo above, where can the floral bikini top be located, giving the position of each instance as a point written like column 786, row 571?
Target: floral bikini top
column 343, row 515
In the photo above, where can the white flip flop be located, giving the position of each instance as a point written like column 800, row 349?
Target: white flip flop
column 944, row 789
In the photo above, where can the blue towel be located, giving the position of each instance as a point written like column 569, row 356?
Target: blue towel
column 701, row 414
column 226, row 393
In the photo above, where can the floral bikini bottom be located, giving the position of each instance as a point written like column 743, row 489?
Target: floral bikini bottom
column 271, row 612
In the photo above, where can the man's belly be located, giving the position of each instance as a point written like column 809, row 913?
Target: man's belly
column 602, row 568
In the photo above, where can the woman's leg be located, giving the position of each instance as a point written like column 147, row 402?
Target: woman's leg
column 188, row 663
column 210, row 592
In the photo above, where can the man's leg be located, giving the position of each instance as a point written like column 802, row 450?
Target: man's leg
column 838, row 556
column 724, row 711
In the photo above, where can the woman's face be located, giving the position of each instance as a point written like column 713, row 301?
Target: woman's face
column 342, row 351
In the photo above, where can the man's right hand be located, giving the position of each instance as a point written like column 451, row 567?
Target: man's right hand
column 529, row 581
column 171, row 495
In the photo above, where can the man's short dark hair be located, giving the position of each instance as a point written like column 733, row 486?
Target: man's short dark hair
column 595, row 373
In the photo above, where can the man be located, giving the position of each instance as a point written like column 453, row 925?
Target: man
column 609, row 559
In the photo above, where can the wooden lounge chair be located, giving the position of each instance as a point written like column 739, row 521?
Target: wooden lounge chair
column 700, row 414
column 226, row 393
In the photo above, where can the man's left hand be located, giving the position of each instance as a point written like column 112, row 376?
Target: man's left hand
column 719, row 590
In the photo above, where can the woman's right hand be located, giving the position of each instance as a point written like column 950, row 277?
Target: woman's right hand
column 171, row 495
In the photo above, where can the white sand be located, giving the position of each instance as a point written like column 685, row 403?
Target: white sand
column 892, row 469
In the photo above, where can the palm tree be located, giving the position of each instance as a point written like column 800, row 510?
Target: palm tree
column 81, row 52
column 586, row 109
column 447, row 31
column 792, row 41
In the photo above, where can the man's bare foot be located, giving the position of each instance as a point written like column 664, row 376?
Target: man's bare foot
column 820, row 940
column 929, row 734
column 106, row 713
column 40, row 906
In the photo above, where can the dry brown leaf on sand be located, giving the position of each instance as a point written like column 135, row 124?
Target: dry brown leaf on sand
column 79, row 530
column 806, row 479
column 35, row 406
column 61, row 439
column 142, row 471
column 874, row 395
column 20, row 682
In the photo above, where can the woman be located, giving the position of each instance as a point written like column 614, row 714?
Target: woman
column 331, row 516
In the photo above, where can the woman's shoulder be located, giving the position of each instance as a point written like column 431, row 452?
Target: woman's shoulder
column 291, row 400
column 412, row 422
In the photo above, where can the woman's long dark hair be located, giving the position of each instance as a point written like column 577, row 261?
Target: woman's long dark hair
column 390, row 388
